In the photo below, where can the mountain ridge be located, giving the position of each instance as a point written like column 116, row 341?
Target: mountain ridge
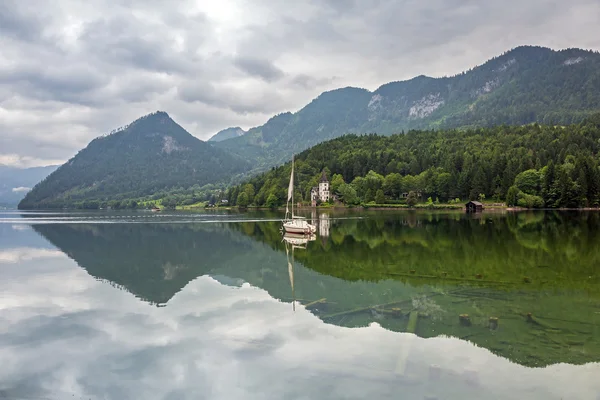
column 523, row 85
column 227, row 133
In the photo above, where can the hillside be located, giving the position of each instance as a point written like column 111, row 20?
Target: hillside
column 225, row 134
column 16, row 182
column 525, row 85
column 151, row 154
column 530, row 166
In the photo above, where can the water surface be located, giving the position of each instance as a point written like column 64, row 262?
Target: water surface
column 123, row 304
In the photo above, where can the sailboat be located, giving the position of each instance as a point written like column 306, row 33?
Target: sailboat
column 293, row 223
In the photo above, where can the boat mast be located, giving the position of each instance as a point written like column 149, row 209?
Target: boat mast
column 292, row 185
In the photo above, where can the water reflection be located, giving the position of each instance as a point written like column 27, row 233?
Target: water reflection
column 65, row 334
column 293, row 242
column 435, row 268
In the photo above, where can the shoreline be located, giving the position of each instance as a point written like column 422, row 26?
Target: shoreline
column 391, row 207
column 402, row 208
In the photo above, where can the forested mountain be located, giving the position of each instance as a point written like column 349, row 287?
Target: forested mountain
column 151, row 154
column 524, row 85
column 16, row 182
column 227, row 134
column 531, row 165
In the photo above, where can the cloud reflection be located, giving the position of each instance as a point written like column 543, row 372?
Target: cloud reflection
column 15, row 255
column 70, row 336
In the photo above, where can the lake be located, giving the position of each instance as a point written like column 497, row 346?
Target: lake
column 217, row 305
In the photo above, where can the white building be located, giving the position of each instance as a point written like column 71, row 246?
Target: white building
column 320, row 192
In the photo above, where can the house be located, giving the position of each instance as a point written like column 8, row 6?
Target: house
column 321, row 192
column 474, row 206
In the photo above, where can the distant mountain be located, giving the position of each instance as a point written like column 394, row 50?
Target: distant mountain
column 16, row 182
column 527, row 84
column 228, row 133
column 151, row 154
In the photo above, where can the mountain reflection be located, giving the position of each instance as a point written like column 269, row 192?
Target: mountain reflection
column 522, row 285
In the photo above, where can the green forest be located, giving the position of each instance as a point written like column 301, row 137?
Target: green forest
column 529, row 166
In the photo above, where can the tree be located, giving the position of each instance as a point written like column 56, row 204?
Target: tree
column 360, row 185
column 169, row 202
column 512, row 196
column 411, row 200
column 348, row 194
column 379, row 197
column 409, row 183
column 272, row 201
column 529, row 201
column 528, row 181
column 242, row 200
column 373, row 180
column 444, row 184
column 392, row 185
column 249, row 189
column 479, row 184
column 548, row 184
column 336, row 181
column 369, row 197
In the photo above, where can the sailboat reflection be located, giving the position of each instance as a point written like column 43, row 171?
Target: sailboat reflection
column 295, row 241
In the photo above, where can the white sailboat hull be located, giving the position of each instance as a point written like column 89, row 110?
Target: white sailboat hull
column 299, row 226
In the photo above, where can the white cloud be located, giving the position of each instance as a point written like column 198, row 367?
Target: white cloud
column 21, row 189
column 70, row 71
column 16, row 160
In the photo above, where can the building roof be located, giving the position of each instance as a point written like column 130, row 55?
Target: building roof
column 477, row 203
column 323, row 177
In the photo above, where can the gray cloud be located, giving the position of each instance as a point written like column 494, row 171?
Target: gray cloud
column 263, row 69
column 258, row 101
column 309, row 82
column 69, row 84
column 71, row 70
column 17, row 24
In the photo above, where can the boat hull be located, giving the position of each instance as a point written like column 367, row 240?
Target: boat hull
column 299, row 228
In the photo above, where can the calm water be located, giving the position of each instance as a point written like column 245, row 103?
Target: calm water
column 138, row 305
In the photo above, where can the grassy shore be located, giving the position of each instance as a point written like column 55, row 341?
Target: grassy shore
column 371, row 206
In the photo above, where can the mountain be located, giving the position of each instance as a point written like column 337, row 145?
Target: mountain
column 227, row 134
column 527, row 84
column 16, row 182
column 151, row 154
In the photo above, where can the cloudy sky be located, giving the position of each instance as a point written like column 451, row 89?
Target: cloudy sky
column 73, row 70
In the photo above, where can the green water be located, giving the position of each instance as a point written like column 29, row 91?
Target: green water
column 526, row 284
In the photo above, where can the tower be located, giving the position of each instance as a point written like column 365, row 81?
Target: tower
column 324, row 187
